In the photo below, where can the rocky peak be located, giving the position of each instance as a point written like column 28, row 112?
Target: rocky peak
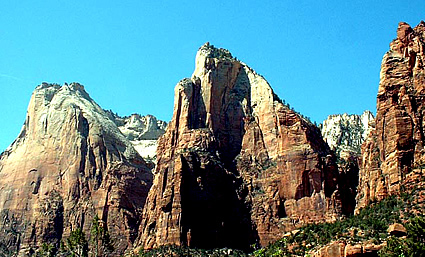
column 236, row 166
column 404, row 32
column 345, row 133
column 142, row 131
column 395, row 149
column 138, row 127
column 69, row 164
column 210, row 51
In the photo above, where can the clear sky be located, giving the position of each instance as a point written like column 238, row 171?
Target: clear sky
column 322, row 57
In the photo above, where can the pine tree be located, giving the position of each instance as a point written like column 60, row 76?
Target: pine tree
column 76, row 244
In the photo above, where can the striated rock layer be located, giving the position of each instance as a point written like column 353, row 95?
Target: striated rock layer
column 395, row 148
column 236, row 166
column 69, row 163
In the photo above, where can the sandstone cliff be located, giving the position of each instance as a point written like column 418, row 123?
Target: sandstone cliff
column 142, row 131
column 235, row 166
column 394, row 149
column 69, row 163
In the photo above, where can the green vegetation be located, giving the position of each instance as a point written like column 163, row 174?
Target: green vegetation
column 412, row 245
column 370, row 224
column 76, row 245
column 171, row 250
column 100, row 238
column 46, row 250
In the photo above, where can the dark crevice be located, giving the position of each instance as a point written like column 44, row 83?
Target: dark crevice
column 164, row 180
column 212, row 213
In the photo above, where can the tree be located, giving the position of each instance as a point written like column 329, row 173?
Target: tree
column 76, row 244
column 46, row 250
column 100, row 237
column 416, row 236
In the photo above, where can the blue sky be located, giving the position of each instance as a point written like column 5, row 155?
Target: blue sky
column 322, row 57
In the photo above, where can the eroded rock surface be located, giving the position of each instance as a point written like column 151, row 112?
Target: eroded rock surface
column 395, row 148
column 142, row 131
column 345, row 133
column 69, row 163
column 236, row 166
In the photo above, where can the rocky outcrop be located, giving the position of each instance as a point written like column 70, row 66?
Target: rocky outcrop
column 236, row 166
column 69, row 164
column 397, row 230
column 333, row 249
column 395, row 148
column 142, row 131
column 344, row 249
column 345, row 133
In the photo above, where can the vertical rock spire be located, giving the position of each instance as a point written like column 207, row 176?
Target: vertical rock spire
column 395, row 150
column 235, row 166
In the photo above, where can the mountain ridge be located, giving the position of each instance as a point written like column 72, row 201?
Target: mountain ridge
column 235, row 167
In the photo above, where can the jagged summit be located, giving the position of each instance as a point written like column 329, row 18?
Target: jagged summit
column 141, row 131
column 140, row 127
column 211, row 51
column 73, row 86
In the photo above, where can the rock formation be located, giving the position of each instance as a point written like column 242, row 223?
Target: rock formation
column 235, row 166
column 345, row 133
column 342, row 249
column 395, row 148
column 69, row 163
column 142, row 131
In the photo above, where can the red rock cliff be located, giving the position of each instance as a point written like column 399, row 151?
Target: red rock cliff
column 394, row 149
column 235, row 166
column 69, row 163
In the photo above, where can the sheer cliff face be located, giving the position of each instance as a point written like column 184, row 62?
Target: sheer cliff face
column 235, row 166
column 69, row 163
column 394, row 150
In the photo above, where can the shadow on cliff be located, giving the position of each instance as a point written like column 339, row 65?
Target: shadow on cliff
column 214, row 214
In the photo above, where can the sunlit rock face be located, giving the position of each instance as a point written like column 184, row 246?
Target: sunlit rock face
column 142, row 131
column 345, row 133
column 236, row 166
column 394, row 150
column 69, row 163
